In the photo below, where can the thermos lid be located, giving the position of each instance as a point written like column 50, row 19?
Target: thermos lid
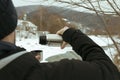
column 42, row 40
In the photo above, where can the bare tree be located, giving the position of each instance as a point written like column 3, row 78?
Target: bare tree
column 101, row 8
column 96, row 7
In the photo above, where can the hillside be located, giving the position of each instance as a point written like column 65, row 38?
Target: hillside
column 80, row 17
column 85, row 19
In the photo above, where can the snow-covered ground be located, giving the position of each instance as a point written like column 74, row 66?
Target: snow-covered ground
column 106, row 43
column 48, row 50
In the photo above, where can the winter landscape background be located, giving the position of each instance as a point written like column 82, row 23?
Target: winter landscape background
column 42, row 15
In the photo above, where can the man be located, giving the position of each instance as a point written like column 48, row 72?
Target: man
column 17, row 64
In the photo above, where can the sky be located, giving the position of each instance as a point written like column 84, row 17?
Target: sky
column 35, row 2
column 104, row 5
column 18, row 3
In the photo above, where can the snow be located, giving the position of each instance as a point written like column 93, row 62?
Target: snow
column 101, row 40
column 106, row 43
column 48, row 50
column 33, row 44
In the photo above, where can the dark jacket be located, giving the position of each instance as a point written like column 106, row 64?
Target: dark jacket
column 96, row 65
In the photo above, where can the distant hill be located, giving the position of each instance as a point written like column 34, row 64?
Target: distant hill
column 86, row 19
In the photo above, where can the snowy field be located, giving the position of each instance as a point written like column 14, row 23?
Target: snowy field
column 49, row 50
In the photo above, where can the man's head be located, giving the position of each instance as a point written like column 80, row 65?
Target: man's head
column 8, row 18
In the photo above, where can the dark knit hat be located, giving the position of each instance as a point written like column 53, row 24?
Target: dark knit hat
column 8, row 18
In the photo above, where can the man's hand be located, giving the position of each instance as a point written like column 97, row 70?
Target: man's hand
column 60, row 32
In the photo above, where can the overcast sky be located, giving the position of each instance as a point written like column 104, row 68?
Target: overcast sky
column 104, row 4
column 35, row 2
column 25, row 2
column 19, row 3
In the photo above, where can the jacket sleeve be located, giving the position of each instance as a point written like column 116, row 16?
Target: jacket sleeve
column 84, row 46
column 96, row 65
column 91, row 53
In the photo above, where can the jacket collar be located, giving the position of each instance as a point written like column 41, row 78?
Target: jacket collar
column 8, row 59
column 7, row 49
column 7, row 46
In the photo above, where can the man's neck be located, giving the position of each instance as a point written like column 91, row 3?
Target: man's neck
column 10, row 38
